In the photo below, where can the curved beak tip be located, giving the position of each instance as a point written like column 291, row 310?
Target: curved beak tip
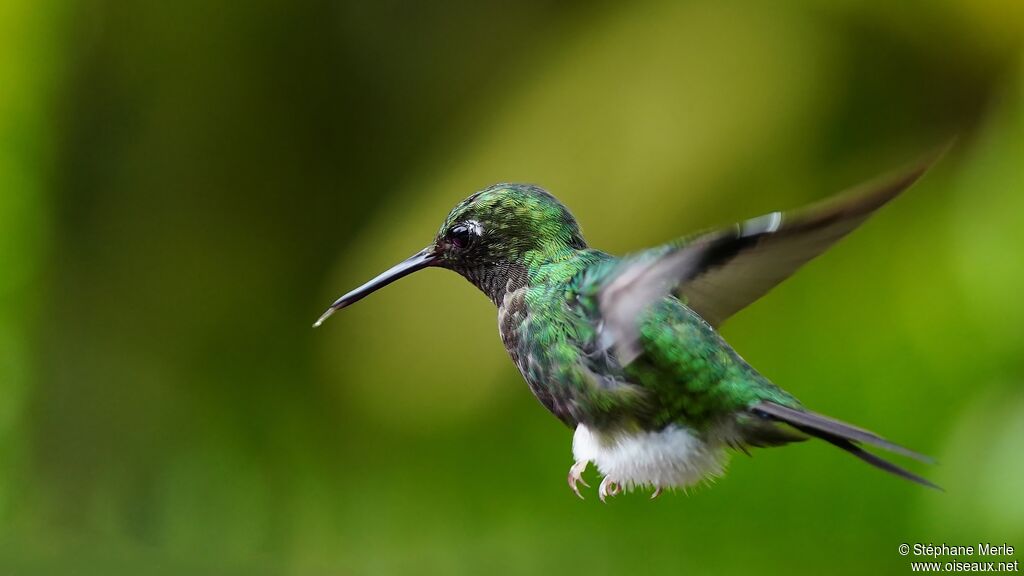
column 323, row 317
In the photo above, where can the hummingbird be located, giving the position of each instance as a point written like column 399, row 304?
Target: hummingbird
column 626, row 351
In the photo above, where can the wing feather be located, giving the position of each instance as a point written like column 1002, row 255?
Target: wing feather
column 773, row 247
column 720, row 272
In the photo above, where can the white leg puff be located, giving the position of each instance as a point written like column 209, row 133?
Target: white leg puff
column 673, row 457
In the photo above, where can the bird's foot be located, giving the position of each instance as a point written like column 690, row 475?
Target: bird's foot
column 608, row 488
column 576, row 477
column 657, row 492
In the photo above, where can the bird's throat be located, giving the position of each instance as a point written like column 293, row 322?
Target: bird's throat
column 496, row 279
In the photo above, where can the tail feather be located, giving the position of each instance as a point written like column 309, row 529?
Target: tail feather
column 876, row 461
column 846, row 437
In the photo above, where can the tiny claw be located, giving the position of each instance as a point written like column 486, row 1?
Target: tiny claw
column 608, row 488
column 576, row 490
column 576, row 477
column 657, row 492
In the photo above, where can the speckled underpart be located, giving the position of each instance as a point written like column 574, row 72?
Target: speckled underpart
column 511, row 317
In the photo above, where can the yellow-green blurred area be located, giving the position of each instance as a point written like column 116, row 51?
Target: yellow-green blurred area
column 185, row 186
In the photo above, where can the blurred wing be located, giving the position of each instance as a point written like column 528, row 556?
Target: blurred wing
column 721, row 272
column 767, row 250
column 645, row 278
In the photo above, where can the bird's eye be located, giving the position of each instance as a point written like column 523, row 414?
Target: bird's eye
column 461, row 236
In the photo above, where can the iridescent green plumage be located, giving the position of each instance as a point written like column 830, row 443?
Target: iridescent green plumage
column 626, row 350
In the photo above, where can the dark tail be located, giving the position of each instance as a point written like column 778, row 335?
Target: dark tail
column 845, row 436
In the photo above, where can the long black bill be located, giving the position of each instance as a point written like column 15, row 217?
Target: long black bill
column 418, row 261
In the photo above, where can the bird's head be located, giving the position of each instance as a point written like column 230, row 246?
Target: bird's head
column 491, row 238
column 506, row 224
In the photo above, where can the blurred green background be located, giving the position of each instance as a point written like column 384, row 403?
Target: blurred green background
column 184, row 186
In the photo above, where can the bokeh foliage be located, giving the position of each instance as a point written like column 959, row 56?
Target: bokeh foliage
column 185, row 185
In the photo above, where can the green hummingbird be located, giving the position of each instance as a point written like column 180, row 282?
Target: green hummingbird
column 626, row 350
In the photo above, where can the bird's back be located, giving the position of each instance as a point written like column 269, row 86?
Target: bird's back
column 692, row 374
column 687, row 374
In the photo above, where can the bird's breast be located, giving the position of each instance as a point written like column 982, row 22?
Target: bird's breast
column 514, row 318
column 512, row 314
